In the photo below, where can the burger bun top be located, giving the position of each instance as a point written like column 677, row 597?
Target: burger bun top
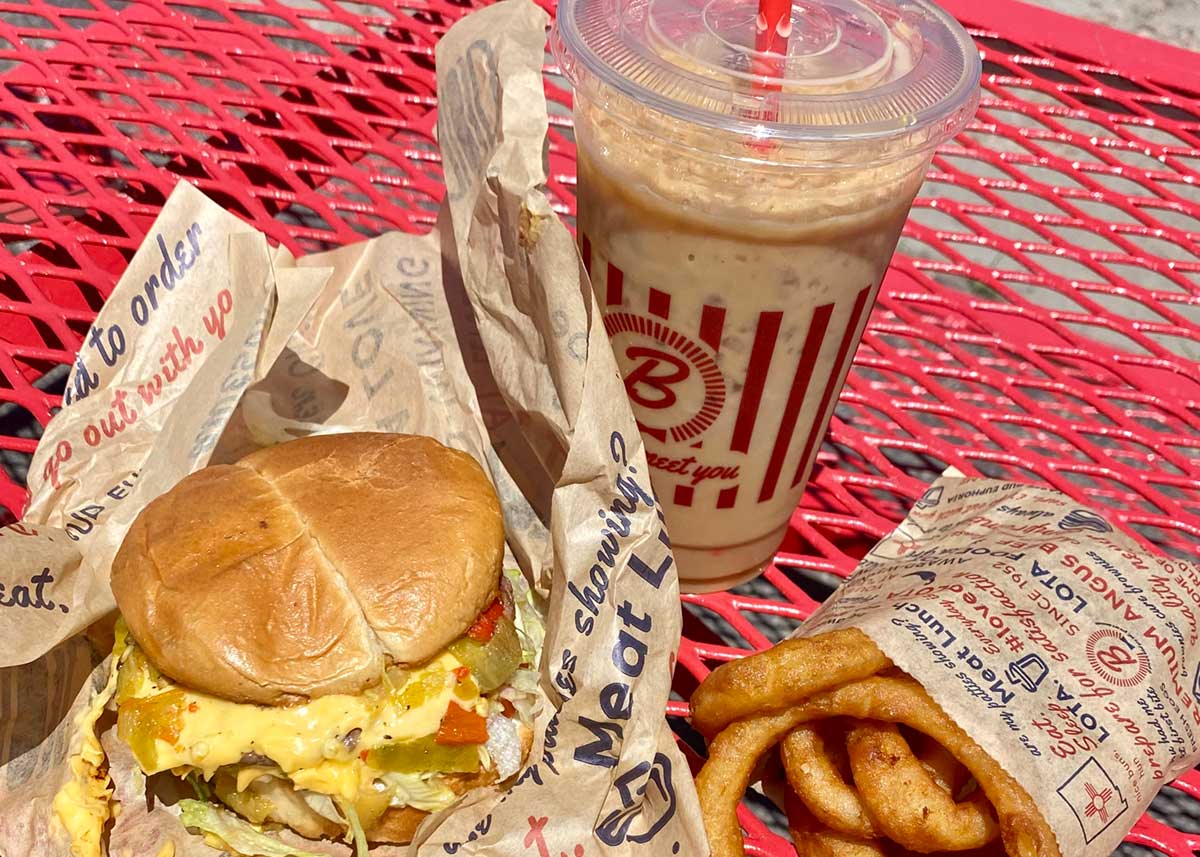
column 307, row 568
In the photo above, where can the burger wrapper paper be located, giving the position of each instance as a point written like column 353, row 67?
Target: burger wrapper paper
column 485, row 335
column 1067, row 651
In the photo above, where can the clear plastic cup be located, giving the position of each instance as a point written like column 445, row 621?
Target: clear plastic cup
column 737, row 211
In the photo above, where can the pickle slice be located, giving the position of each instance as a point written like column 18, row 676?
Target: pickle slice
column 423, row 755
column 420, row 688
column 467, row 690
column 491, row 663
column 135, row 677
column 141, row 721
column 248, row 804
column 370, row 806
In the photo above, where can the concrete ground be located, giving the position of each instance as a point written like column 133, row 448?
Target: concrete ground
column 1175, row 21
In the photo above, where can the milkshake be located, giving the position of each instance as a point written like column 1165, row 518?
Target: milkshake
column 736, row 231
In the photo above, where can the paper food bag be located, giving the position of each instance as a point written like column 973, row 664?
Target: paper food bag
column 1062, row 647
column 485, row 336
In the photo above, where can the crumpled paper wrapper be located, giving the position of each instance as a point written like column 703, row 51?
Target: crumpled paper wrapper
column 1064, row 649
column 484, row 335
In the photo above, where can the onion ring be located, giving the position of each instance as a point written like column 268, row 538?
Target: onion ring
column 784, row 675
column 813, row 840
column 818, row 771
column 725, row 776
column 733, row 753
column 813, row 774
column 910, row 807
column 946, row 770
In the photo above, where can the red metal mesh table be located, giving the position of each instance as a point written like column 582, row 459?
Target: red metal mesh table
column 1041, row 321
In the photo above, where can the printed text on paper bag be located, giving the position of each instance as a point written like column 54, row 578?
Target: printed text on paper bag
column 30, row 595
column 645, row 788
column 108, row 344
column 174, row 360
column 998, row 629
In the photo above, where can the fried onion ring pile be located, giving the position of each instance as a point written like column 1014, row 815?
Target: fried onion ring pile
column 874, row 766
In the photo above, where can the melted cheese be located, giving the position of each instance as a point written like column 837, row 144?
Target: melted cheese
column 250, row 773
column 84, row 804
column 305, row 742
column 340, row 779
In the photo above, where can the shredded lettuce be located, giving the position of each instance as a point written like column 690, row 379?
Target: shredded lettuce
column 528, row 619
column 322, row 805
column 356, row 830
column 525, row 681
column 234, row 833
column 419, row 791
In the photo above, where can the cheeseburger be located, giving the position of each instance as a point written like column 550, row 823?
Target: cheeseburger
column 319, row 637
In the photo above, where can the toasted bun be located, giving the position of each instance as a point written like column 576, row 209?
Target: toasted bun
column 398, row 825
column 305, row 568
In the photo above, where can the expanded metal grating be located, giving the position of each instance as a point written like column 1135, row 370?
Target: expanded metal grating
column 1041, row 322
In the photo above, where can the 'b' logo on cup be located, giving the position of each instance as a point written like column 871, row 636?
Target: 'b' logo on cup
column 675, row 386
column 649, row 384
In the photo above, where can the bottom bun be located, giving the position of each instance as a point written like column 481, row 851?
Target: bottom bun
column 397, row 826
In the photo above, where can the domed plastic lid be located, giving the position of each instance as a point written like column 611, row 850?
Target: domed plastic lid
column 829, row 70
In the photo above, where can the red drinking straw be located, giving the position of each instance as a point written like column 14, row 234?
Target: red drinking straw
column 773, row 27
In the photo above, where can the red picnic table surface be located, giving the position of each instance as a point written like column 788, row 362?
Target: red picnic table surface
column 1040, row 322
